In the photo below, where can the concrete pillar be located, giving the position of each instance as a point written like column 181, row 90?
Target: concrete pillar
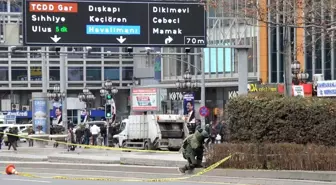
column 242, row 71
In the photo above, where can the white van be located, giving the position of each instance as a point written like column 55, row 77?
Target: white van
column 22, row 128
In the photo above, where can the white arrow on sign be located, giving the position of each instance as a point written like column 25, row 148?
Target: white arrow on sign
column 168, row 40
column 55, row 38
column 121, row 39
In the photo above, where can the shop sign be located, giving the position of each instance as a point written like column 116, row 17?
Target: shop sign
column 262, row 87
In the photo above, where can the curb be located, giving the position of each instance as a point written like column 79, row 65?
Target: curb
column 329, row 176
column 150, row 162
column 24, row 158
column 100, row 167
column 217, row 174
column 82, row 160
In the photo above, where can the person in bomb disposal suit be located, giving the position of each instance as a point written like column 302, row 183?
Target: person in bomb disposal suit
column 190, row 149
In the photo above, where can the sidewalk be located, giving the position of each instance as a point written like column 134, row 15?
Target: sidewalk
column 95, row 159
column 91, row 156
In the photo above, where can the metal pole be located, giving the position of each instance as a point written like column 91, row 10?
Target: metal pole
column 242, row 71
column 63, row 89
column 44, row 71
column 107, row 133
column 287, row 64
column 202, row 87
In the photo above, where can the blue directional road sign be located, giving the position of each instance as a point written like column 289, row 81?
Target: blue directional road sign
column 114, row 23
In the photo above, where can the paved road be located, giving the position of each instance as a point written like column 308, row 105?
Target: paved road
column 47, row 177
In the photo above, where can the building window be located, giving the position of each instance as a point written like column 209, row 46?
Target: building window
column 75, row 73
column 3, row 73
column 127, row 73
column 19, row 73
column 54, row 73
column 93, row 73
column 35, row 73
column 111, row 73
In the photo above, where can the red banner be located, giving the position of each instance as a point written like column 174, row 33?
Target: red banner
column 307, row 88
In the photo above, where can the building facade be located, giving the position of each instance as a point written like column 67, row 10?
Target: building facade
column 21, row 73
column 312, row 45
column 225, row 30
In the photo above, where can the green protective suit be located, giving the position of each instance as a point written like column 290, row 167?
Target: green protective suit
column 192, row 146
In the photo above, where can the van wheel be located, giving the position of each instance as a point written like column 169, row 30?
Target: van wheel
column 123, row 145
column 147, row 147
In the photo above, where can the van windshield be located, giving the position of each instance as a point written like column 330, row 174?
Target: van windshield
column 122, row 126
column 98, row 123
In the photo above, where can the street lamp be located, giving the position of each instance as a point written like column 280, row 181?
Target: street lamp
column 134, row 82
column 187, row 84
column 297, row 76
column 56, row 95
column 86, row 96
column 108, row 89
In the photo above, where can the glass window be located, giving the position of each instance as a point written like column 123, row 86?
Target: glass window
column 93, row 73
column 15, row 7
column 75, row 73
column 3, row 73
column 111, row 73
column 54, row 73
column 111, row 50
column 19, row 73
column 127, row 73
column 35, row 73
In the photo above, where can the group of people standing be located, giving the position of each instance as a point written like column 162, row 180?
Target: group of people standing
column 87, row 135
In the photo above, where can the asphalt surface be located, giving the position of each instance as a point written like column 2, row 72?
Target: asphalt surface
column 47, row 176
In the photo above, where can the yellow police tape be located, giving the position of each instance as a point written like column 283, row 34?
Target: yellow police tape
column 91, row 146
column 210, row 168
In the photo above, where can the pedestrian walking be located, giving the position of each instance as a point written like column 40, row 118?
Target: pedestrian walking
column 1, row 137
column 11, row 139
column 79, row 135
column 31, row 132
column 103, row 133
column 87, row 135
column 71, row 139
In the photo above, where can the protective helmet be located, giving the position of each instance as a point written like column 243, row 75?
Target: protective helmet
column 205, row 134
column 207, row 128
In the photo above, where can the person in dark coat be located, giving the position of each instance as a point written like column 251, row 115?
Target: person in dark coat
column 31, row 132
column 79, row 134
column 11, row 139
column 103, row 133
column 87, row 135
column 1, row 137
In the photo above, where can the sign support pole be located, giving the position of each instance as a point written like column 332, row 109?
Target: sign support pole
column 63, row 88
column 202, row 87
column 44, row 71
